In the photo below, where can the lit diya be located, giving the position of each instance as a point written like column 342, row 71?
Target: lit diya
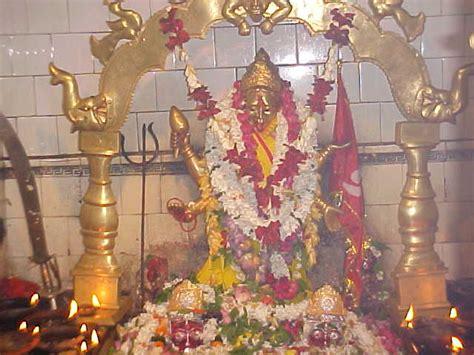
column 18, row 342
column 14, row 310
column 87, row 310
column 69, row 337
column 433, row 335
column 58, row 329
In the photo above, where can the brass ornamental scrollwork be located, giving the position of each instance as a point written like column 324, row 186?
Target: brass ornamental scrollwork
column 236, row 11
column 86, row 114
column 438, row 105
column 127, row 27
column 412, row 26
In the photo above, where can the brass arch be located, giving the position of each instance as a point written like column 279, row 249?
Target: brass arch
column 100, row 118
column 403, row 65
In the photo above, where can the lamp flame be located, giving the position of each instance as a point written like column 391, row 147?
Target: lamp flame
column 95, row 301
column 410, row 314
column 34, row 300
column 73, row 308
column 94, row 338
column 83, row 328
column 456, row 344
column 453, row 313
column 23, row 326
column 84, row 346
column 408, row 321
column 36, row 330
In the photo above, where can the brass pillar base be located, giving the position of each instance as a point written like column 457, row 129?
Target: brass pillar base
column 109, row 317
column 426, row 291
column 104, row 286
column 420, row 275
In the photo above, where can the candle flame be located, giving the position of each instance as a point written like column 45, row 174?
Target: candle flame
column 36, row 330
column 23, row 326
column 410, row 314
column 410, row 325
column 83, row 328
column 84, row 346
column 34, row 300
column 72, row 309
column 94, row 338
column 456, row 344
column 95, row 301
column 453, row 313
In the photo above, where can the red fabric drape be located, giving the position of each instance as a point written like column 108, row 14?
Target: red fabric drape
column 345, row 178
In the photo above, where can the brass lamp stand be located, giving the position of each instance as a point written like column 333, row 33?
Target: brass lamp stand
column 420, row 274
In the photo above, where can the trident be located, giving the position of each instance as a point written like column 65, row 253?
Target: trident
column 143, row 164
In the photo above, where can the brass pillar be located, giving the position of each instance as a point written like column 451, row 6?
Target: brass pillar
column 98, row 271
column 420, row 275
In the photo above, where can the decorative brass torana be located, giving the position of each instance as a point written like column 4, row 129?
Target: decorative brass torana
column 235, row 11
column 443, row 105
column 88, row 114
column 412, row 26
column 100, row 118
column 127, row 27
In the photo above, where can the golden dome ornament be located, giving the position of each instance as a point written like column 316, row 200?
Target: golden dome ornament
column 186, row 297
column 326, row 302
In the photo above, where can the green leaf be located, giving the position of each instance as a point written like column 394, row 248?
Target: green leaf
column 234, row 314
column 164, row 296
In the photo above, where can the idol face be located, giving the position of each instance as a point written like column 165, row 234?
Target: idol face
column 256, row 8
column 263, row 105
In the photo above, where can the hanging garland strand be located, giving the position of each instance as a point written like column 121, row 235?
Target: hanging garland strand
column 338, row 33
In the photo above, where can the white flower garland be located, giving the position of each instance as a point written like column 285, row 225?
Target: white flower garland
column 237, row 196
column 357, row 336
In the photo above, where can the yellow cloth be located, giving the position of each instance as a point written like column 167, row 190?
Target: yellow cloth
column 268, row 137
column 262, row 156
column 214, row 272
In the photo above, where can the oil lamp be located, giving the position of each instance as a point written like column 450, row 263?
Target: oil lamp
column 453, row 313
column 34, row 300
column 89, row 309
column 15, row 309
column 15, row 342
column 83, row 328
column 36, row 330
column 73, row 310
column 83, row 347
column 23, row 327
column 94, row 338
column 456, row 345
column 408, row 321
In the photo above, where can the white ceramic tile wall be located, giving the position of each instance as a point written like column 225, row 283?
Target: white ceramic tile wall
column 34, row 32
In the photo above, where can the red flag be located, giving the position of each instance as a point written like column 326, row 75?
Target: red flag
column 345, row 179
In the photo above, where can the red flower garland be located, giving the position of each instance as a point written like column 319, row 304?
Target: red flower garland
column 206, row 106
column 318, row 99
column 171, row 24
column 247, row 159
column 339, row 28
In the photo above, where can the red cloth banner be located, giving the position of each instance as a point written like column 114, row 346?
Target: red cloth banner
column 345, row 179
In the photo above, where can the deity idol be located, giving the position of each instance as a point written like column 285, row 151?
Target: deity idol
column 258, row 183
